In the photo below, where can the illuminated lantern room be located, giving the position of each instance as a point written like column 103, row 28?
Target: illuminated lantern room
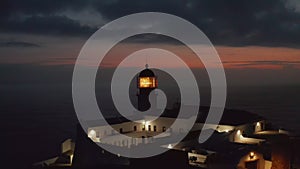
column 147, row 82
column 147, row 79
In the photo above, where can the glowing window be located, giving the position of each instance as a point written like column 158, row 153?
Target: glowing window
column 147, row 82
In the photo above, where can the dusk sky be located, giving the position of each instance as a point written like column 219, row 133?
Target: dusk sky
column 255, row 39
column 258, row 42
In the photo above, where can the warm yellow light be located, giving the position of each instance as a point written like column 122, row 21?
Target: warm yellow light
column 258, row 124
column 251, row 154
column 239, row 134
column 71, row 158
column 147, row 82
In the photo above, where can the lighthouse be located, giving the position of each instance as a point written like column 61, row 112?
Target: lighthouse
column 146, row 82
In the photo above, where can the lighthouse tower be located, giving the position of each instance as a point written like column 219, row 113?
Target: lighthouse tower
column 147, row 82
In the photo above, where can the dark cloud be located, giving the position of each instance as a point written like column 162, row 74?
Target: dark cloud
column 37, row 7
column 152, row 39
column 243, row 64
column 42, row 17
column 234, row 22
column 18, row 44
column 46, row 25
column 225, row 22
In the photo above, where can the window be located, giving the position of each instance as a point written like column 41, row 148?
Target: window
column 164, row 129
column 147, row 82
column 149, row 127
column 143, row 128
column 134, row 128
column 121, row 130
column 154, row 128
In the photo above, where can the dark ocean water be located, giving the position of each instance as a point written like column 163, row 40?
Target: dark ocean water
column 35, row 119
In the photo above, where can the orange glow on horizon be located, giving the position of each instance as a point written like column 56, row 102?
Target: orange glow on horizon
column 248, row 57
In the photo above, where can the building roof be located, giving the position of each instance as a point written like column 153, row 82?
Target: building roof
column 232, row 117
column 146, row 73
column 218, row 142
column 111, row 121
